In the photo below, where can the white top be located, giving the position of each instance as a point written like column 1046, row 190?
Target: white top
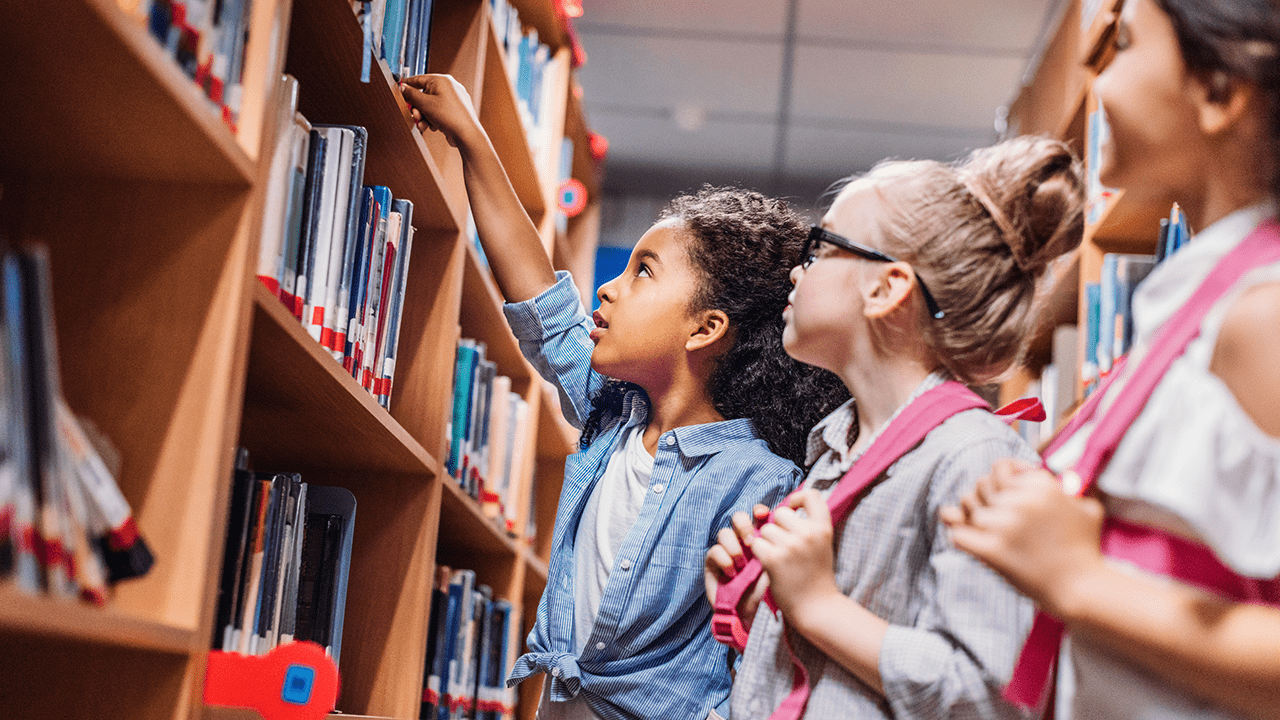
column 1192, row 463
column 611, row 510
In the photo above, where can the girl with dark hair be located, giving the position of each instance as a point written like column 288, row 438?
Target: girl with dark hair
column 922, row 276
column 691, row 411
column 1157, row 546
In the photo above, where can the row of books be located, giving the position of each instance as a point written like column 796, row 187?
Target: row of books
column 207, row 39
column 471, row 647
column 285, row 563
column 334, row 250
column 527, row 61
column 65, row 527
column 488, row 432
column 397, row 31
column 1109, row 302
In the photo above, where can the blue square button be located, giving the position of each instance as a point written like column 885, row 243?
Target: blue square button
column 297, row 684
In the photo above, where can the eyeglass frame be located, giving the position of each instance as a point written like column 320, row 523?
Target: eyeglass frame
column 820, row 235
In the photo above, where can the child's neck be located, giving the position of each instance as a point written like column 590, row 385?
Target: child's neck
column 880, row 390
column 677, row 407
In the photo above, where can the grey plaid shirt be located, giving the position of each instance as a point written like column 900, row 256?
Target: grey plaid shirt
column 955, row 627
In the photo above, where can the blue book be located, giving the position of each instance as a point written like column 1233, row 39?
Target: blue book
column 396, row 310
column 1093, row 307
column 1106, row 313
column 393, row 31
column 359, row 271
column 463, row 373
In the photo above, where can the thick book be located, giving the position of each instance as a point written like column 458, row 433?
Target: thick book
column 463, row 373
column 239, row 508
column 330, row 228
column 459, row 653
column 19, row 463
column 366, row 352
column 278, row 193
column 337, row 315
column 359, row 288
column 325, row 567
column 391, row 338
column 311, row 202
column 437, row 662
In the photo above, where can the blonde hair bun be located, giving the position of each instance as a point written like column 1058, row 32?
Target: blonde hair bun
column 1033, row 190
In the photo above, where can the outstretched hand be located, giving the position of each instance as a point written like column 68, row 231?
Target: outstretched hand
column 440, row 103
column 726, row 558
column 1019, row 522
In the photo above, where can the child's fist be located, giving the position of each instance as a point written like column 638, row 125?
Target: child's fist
column 440, row 103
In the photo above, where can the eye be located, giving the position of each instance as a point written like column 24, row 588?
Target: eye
column 643, row 271
column 808, row 259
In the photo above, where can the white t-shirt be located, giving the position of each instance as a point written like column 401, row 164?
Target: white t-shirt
column 1193, row 463
column 610, row 513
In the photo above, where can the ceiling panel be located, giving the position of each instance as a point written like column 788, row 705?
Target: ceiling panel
column 661, row 72
column 756, row 17
column 828, row 154
column 909, row 88
column 1011, row 25
column 717, row 145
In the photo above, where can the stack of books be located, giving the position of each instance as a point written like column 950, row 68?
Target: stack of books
column 334, row 250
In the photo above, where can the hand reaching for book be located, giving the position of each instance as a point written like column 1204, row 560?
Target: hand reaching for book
column 440, row 103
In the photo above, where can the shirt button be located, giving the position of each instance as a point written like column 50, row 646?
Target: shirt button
column 555, row 672
column 599, row 646
column 625, row 564
column 671, row 439
column 658, row 488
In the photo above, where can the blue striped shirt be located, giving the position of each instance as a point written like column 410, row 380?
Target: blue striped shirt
column 651, row 653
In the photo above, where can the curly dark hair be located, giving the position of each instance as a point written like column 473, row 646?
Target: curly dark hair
column 743, row 245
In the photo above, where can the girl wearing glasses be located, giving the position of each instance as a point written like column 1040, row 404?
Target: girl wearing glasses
column 1158, row 551
column 920, row 273
column 690, row 410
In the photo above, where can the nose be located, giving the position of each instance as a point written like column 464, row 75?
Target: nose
column 796, row 273
column 605, row 292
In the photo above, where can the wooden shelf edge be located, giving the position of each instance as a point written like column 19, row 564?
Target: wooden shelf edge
column 418, row 458
column 73, row 620
column 461, row 517
column 168, row 130
column 482, row 319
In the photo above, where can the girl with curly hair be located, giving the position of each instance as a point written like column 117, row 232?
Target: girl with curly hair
column 691, row 410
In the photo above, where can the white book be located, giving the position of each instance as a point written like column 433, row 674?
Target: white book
column 318, row 283
column 338, row 243
column 275, row 211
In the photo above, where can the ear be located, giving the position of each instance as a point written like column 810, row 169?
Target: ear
column 888, row 290
column 1222, row 102
column 713, row 325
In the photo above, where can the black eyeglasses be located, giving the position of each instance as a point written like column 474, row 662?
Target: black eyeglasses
column 818, row 235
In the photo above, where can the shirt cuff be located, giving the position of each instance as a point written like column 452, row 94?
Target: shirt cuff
column 552, row 312
column 923, row 677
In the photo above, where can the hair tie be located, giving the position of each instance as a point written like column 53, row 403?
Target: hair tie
column 1007, row 233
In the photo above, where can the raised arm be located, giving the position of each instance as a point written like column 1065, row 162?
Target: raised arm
column 511, row 242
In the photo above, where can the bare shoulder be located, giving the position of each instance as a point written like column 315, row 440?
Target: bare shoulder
column 1247, row 354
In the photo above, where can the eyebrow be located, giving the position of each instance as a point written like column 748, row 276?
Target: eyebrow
column 649, row 255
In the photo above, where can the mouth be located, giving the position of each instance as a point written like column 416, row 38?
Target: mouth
column 601, row 325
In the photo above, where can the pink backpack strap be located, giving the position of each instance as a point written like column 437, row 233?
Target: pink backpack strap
column 903, row 433
column 1262, row 246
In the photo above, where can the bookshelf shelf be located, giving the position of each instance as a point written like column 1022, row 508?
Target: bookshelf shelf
column 68, row 120
column 151, row 208
column 1127, row 225
column 296, row 390
column 22, row 614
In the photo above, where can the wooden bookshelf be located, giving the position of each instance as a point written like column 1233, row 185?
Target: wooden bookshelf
column 1057, row 101
column 150, row 206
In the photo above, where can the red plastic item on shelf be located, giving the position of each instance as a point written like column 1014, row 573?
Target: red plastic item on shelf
column 297, row 681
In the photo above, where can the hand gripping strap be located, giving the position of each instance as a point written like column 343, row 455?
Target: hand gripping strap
column 1262, row 246
column 902, row 434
